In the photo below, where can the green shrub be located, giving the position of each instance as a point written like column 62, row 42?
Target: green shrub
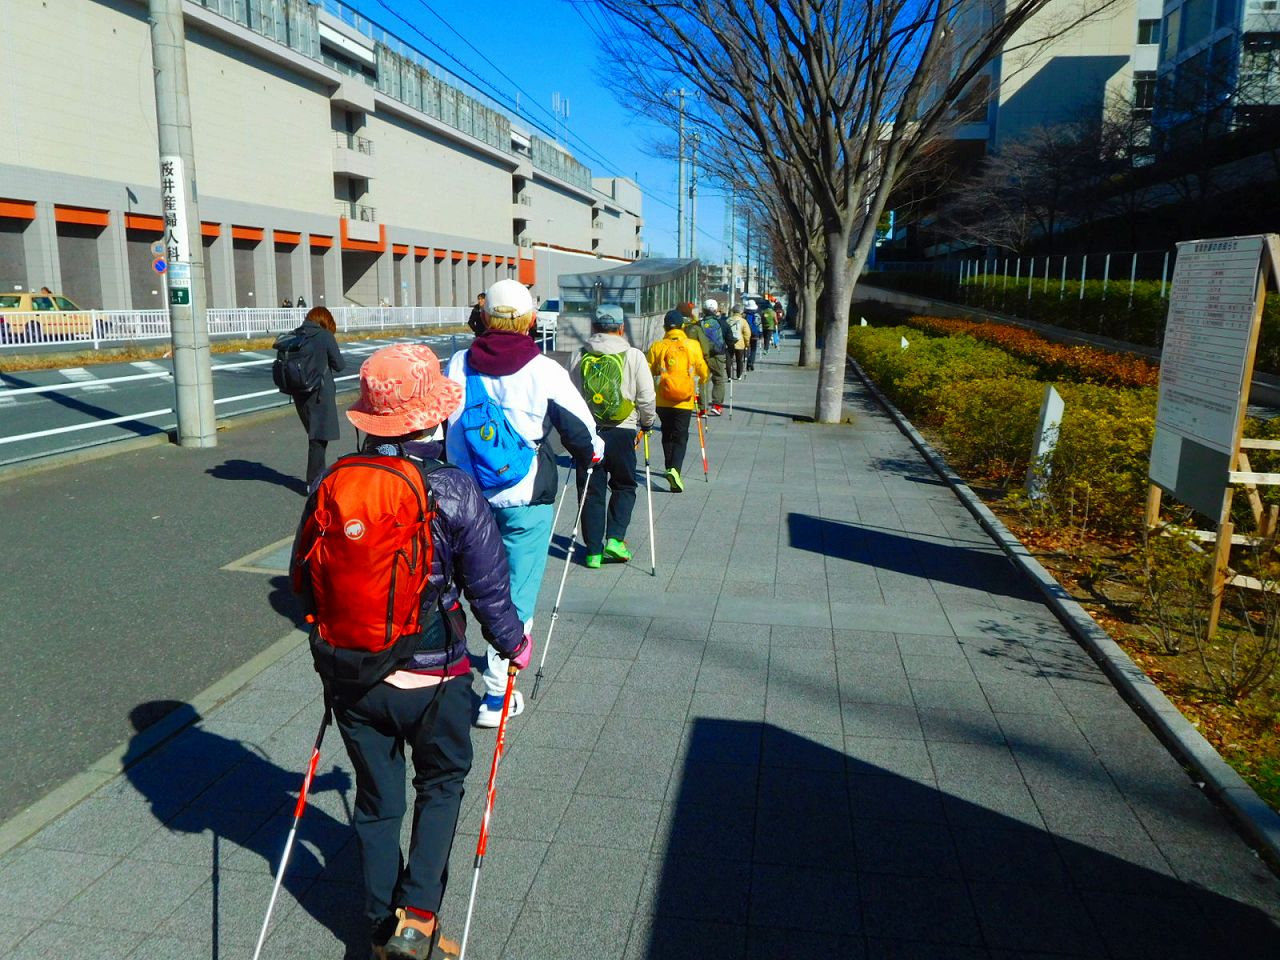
column 988, row 426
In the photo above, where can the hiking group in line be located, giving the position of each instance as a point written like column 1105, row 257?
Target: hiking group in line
column 452, row 496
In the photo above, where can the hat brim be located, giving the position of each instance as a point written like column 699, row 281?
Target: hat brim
column 423, row 413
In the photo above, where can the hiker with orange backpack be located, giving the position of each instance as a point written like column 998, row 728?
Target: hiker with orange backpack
column 390, row 541
column 615, row 380
column 677, row 364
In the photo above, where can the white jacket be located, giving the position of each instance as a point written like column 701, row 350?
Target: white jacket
column 535, row 398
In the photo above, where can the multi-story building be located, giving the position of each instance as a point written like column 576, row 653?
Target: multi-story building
column 1219, row 69
column 333, row 160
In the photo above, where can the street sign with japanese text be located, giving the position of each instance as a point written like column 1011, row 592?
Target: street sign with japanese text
column 173, row 207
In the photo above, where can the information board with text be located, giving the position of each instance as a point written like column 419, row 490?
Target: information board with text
column 1209, row 343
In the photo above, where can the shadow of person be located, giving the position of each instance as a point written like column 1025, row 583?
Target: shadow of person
column 202, row 783
column 285, row 602
column 252, row 470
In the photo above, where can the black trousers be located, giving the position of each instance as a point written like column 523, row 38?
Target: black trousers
column 737, row 362
column 316, row 449
column 435, row 723
column 675, row 435
column 617, row 473
column 751, row 352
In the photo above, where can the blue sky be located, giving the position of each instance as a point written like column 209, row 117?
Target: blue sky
column 546, row 48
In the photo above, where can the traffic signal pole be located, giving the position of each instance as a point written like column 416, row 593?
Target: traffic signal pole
column 183, row 260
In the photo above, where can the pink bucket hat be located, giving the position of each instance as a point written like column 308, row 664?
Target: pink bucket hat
column 402, row 390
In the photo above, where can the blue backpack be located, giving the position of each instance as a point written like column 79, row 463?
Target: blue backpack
column 753, row 320
column 500, row 457
column 711, row 327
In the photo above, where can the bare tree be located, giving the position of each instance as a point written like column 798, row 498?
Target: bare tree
column 834, row 99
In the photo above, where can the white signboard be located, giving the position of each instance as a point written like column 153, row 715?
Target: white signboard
column 1208, row 344
column 173, row 204
column 1045, row 442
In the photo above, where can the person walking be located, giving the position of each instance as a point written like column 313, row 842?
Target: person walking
column 714, row 332
column 318, row 410
column 301, row 302
column 476, row 320
column 415, row 694
column 616, row 382
column 676, row 362
column 694, row 331
column 768, row 326
column 753, row 322
column 514, row 396
column 741, row 334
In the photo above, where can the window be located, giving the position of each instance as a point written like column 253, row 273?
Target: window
column 1144, row 89
column 1148, row 31
column 65, row 304
column 1228, row 13
column 9, row 303
column 41, row 303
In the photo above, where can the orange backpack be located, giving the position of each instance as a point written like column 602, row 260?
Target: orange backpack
column 675, row 383
column 361, row 561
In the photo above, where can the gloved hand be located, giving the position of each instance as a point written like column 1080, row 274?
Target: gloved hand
column 520, row 659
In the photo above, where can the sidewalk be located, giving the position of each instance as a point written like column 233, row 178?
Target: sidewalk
column 836, row 725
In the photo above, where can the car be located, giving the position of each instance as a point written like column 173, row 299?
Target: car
column 38, row 317
column 548, row 319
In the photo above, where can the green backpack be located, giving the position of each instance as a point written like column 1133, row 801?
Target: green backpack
column 602, row 387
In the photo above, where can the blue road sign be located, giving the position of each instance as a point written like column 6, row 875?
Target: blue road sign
column 159, row 264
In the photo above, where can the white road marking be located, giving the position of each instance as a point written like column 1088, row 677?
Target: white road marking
column 150, row 366
column 81, row 375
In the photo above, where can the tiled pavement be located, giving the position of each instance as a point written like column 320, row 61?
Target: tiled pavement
column 836, row 724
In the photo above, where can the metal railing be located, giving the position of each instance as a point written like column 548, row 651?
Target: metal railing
column 353, row 142
column 99, row 328
column 356, row 211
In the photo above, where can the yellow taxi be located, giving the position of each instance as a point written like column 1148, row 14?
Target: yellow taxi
column 37, row 317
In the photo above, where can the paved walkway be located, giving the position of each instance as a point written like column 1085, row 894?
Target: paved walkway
column 835, row 725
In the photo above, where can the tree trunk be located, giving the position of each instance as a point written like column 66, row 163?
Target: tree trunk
column 809, row 321
column 835, row 338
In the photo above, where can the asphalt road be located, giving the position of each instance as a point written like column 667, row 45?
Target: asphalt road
column 241, row 383
column 112, row 592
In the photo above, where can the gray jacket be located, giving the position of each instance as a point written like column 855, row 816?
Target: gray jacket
column 637, row 380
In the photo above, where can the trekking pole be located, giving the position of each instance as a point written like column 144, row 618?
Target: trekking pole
column 702, row 442
column 564, row 575
column 731, row 379
column 648, row 490
column 556, row 519
column 293, row 831
column 483, row 842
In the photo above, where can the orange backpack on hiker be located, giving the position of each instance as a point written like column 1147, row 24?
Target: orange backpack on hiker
column 361, row 561
column 675, row 383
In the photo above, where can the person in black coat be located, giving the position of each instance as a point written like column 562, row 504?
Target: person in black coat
column 318, row 410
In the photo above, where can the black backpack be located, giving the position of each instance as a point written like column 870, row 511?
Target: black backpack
column 296, row 370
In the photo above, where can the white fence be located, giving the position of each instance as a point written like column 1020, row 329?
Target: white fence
column 98, row 328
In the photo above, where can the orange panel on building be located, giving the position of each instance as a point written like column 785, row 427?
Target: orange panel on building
column 17, row 209
column 138, row 221
column 208, row 229
column 247, row 233
column 320, row 240
column 400, row 249
column 85, row 215
column 528, row 274
column 286, row 236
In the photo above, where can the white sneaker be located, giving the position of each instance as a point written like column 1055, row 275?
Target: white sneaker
column 490, row 714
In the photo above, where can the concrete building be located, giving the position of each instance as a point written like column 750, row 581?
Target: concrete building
column 334, row 161
column 1219, row 70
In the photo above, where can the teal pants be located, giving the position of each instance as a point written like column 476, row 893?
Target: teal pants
column 526, row 533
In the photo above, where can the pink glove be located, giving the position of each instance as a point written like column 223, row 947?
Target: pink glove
column 521, row 658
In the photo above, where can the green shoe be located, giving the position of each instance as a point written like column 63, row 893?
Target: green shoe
column 673, row 478
column 594, row 560
column 616, row 551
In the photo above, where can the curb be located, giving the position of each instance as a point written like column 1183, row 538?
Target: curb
column 1259, row 823
column 112, row 764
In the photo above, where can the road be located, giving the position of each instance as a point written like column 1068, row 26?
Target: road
column 84, row 413
column 115, row 591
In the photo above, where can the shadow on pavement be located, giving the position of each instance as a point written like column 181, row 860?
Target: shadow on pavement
column 907, row 553
column 252, row 470
column 90, row 410
column 783, row 847
column 285, row 602
column 207, row 784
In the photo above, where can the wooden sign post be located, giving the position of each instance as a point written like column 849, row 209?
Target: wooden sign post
column 1206, row 368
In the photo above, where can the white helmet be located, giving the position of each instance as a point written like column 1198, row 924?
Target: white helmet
column 710, row 305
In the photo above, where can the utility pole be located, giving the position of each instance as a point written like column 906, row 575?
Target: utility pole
column 731, row 239
column 183, row 248
column 693, row 193
column 680, row 190
column 746, row 279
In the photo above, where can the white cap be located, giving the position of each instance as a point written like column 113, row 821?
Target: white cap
column 751, row 305
column 710, row 305
column 508, row 298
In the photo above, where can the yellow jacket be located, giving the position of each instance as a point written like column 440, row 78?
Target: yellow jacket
column 697, row 364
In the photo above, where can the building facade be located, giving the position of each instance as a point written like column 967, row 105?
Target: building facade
column 333, row 160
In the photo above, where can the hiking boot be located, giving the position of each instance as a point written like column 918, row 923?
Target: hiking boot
column 490, row 714
column 594, row 560
column 616, row 551
column 716, row 411
column 674, row 481
column 414, row 939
